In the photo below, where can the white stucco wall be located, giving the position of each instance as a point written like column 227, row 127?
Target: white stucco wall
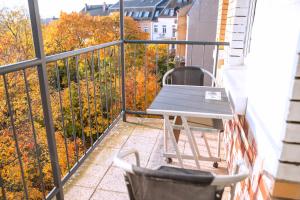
column 169, row 22
column 271, row 65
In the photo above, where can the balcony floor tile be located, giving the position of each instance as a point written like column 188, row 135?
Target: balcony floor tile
column 97, row 178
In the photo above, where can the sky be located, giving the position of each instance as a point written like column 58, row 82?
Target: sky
column 52, row 8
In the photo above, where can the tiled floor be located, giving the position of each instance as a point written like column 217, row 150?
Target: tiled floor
column 99, row 179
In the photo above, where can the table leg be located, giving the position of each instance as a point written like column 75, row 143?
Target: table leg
column 219, row 143
column 207, row 146
column 192, row 142
column 165, row 138
column 170, row 132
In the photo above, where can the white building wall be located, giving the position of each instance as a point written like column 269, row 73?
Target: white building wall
column 270, row 70
column 271, row 67
column 170, row 23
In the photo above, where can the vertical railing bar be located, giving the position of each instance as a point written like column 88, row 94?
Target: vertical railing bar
column 110, row 86
column 120, row 79
column 203, row 56
column 88, row 100
column 134, row 77
column 156, row 69
column 145, row 75
column 34, row 132
column 37, row 36
column 168, row 57
column 12, row 123
column 94, row 88
column 115, row 81
column 191, row 59
column 62, row 114
column 216, row 65
column 80, row 104
column 100, row 91
column 105, row 81
column 71, row 107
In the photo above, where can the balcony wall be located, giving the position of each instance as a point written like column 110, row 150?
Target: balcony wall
column 260, row 137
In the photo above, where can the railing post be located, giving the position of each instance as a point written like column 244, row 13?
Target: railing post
column 122, row 57
column 43, row 82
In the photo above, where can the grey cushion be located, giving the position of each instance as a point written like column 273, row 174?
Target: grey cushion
column 186, row 76
column 169, row 183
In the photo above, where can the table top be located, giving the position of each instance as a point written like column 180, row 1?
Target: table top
column 190, row 101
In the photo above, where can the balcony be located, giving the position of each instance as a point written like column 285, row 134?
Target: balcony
column 63, row 117
column 75, row 121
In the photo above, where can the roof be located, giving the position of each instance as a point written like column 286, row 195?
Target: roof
column 170, row 10
column 136, row 4
column 140, row 10
column 96, row 10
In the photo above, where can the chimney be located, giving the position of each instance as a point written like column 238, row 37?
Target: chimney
column 104, row 7
column 86, row 7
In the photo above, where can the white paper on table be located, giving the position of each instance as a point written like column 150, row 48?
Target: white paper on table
column 211, row 95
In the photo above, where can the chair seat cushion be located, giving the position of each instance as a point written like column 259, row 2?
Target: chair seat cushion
column 206, row 123
column 169, row 183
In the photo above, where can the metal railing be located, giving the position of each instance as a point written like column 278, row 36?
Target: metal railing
column 81, row 94
column 89, row 98
column 87, row 93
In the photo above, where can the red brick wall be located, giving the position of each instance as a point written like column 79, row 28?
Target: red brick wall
column 240, row 144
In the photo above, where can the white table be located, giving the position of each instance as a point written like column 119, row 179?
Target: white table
column 188, row 101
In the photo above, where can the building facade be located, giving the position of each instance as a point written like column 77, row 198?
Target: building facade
column 261, row 72
column 156, row 17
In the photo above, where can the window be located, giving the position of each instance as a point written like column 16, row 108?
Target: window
column 173, row 31
column 156, row 13
column 166, row 12
column 146, row 29
column 172, row 12
column 146, row 14
column 140, row 14
column 250, row 21
column 136, row 14
column 155, row 29
column 164, row 29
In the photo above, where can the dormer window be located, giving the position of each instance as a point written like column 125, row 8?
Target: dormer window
column 140, row 14
column 172, row 12
column 166, row 12
column 146, row 14
column 156, row 13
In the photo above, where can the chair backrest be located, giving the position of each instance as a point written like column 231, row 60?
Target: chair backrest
column 174, row 183
column 171, row 183
column 186, row 76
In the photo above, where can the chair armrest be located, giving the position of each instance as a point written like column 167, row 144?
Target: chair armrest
column 241, row 173
column 120, row 162
column 166, row 75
